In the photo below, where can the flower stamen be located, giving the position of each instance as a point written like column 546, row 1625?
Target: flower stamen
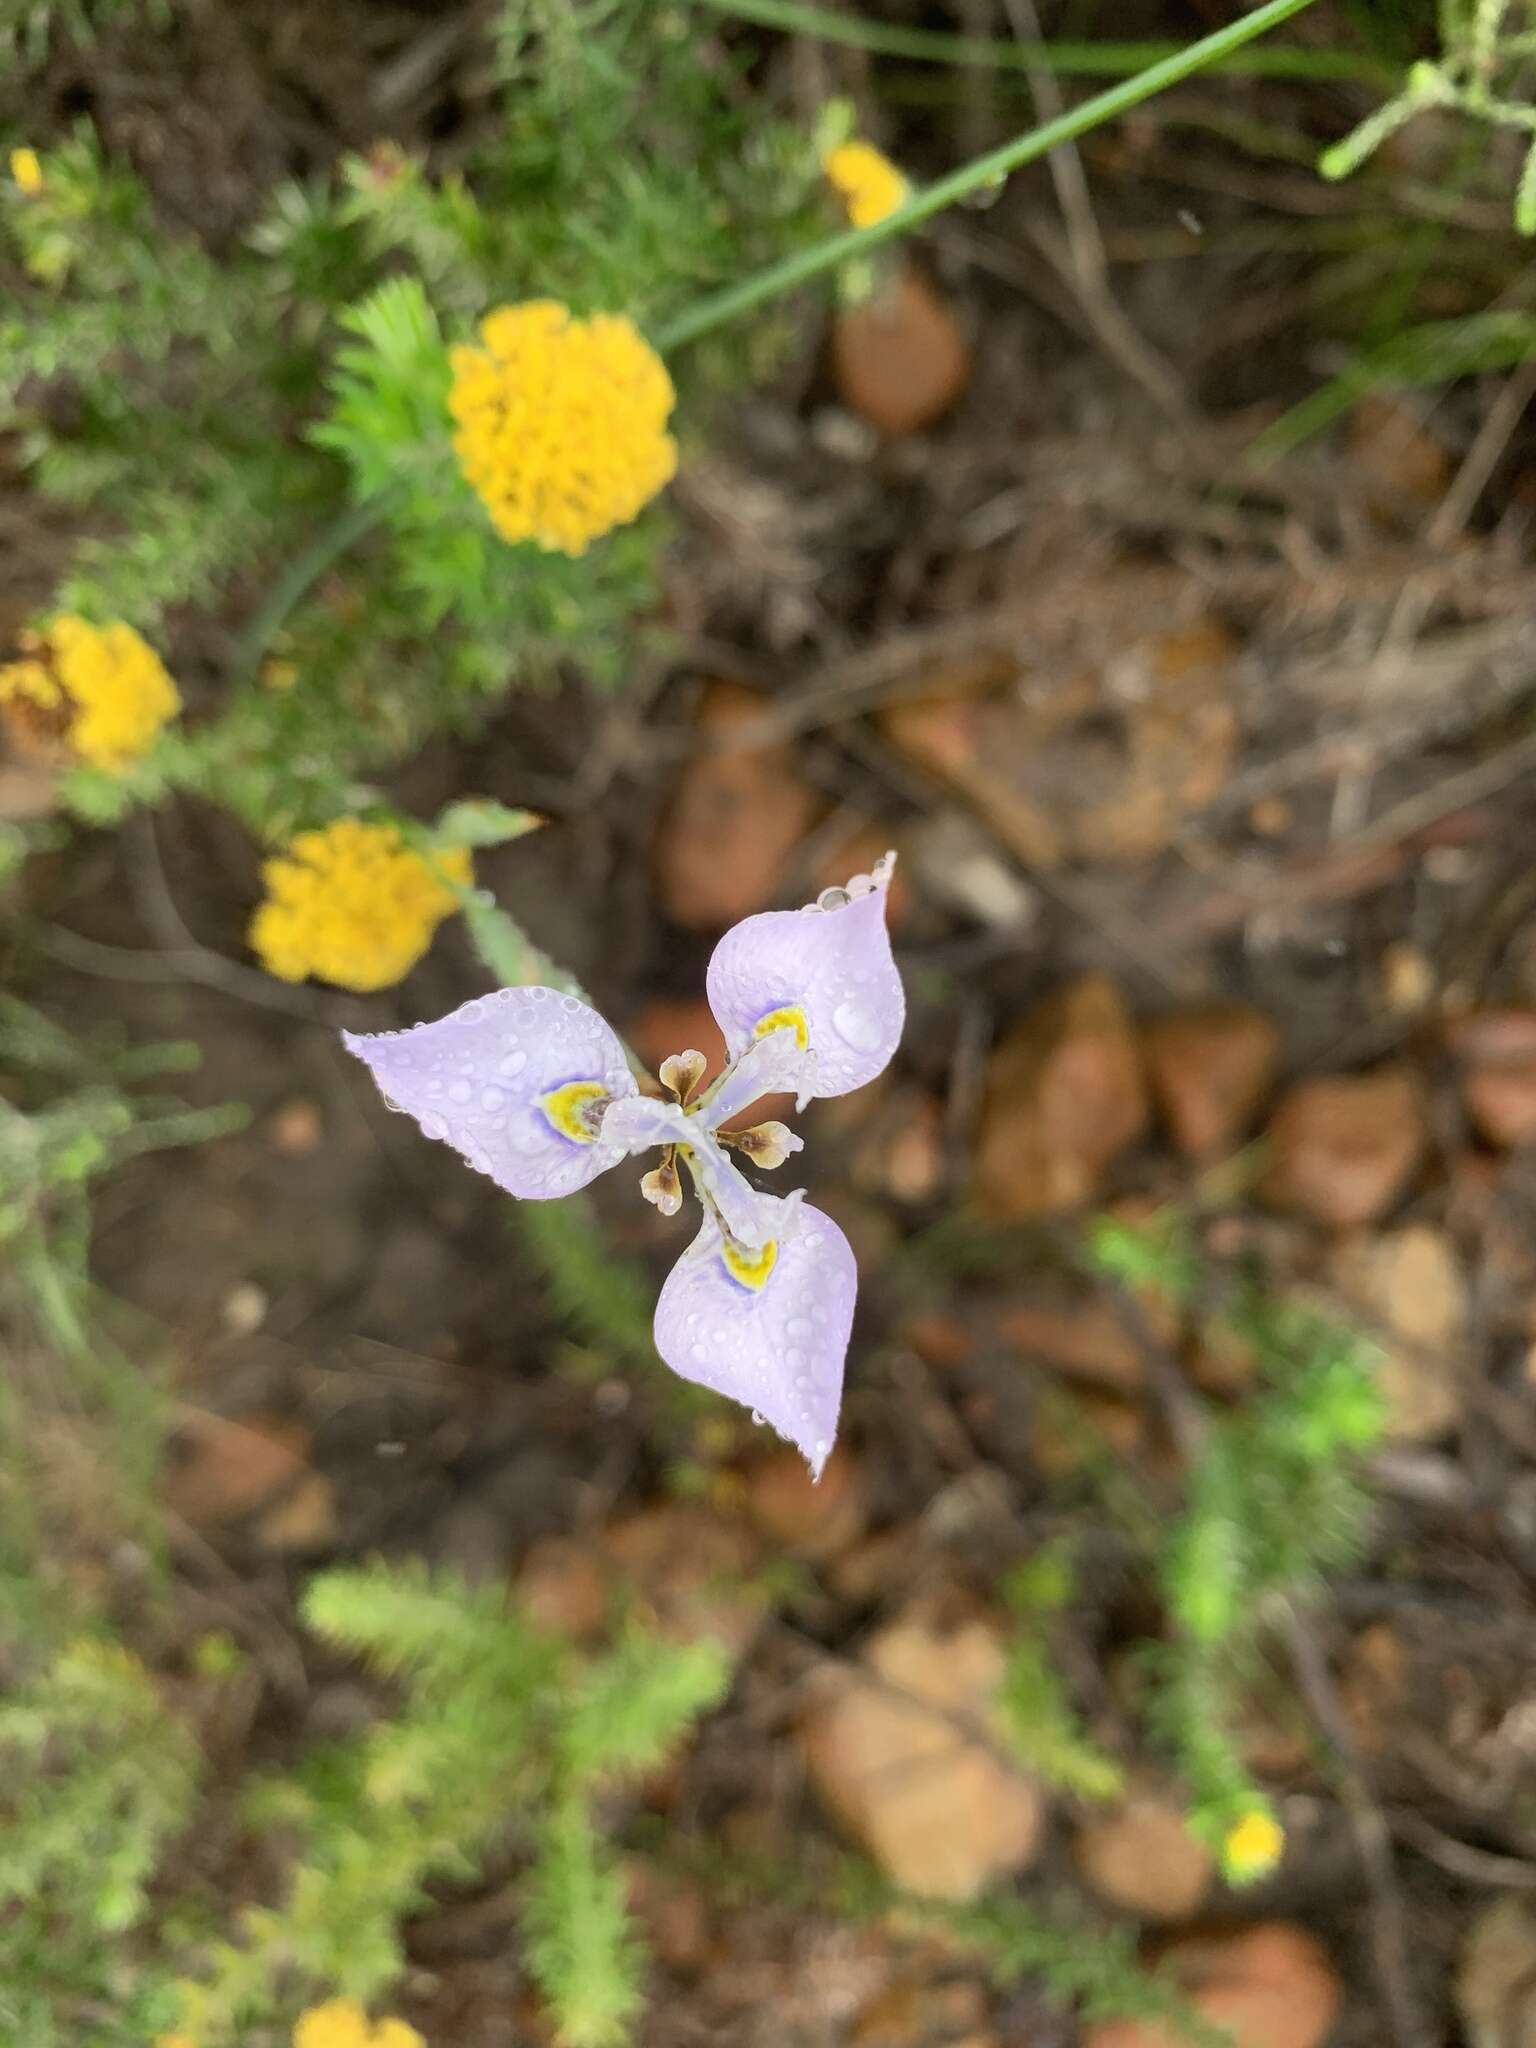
column 663, row 1184
column 681, row 1073
column 767, row 1145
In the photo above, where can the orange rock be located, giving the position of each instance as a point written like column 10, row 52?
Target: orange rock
column 1064, row 1097
column 677, row 1024
column 1409, row 1283
column 1210, row 1069
column 693, row 1569
column 674, row 1914
column 1373, row 1685
column 686, row 1024
column 1271, row 1986
column 564, row 1588
column 943, row 1813
column 939, row 1340
column 911, row 2014
column 1066, row 765
column 900, row 1150
column 296, row 1128
column 812, row 1520
column 1344, row 1150
column 232, row 1464
column 899, row 358
column 1072, row 1432
column 1142, row 1858
column 1496, row 1976
column 737, row 815
column 1390, row 447
column 1085, row 1340
column 1498, row 1082
column 303, row 1520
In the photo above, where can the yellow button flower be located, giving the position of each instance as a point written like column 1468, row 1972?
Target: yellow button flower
column 353, row 904
column 100, row 691
column 342, row 2023
column 1252, row 1847
column 871, row 186
column 562, row 423
column 26, row 171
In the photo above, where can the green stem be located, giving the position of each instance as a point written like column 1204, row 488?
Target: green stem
column 1084, row 60
column 296, row 581
column 989, row 169
column 831, row 254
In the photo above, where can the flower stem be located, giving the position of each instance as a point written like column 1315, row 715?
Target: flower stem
column 959, row 184
column 296, row 581
column 349, row 526
column 1079, row 59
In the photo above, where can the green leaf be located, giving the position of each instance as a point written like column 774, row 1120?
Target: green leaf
column 482, row 821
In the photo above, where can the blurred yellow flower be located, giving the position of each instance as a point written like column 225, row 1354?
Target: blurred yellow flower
column 101, row 690
column 562, row 423
column 1252, row 1847
column 26, row 171
column 342, row 2023
column 871, row 186
column 353, row 904
column 174, row 2041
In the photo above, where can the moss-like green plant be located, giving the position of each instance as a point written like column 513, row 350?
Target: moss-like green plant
column 502, row 1736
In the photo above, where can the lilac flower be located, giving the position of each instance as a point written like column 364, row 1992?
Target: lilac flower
column 532, row 1087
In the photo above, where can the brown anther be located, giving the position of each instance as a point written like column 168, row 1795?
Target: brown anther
column 662, row 1184
column 764, row 1144
column 682, row 1073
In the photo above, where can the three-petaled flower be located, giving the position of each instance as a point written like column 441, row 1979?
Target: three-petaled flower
column 532, row 1087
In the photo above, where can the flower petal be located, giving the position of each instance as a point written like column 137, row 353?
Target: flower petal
column 825, row 975
column 512, row 1081
column 641, row 1122
column 771, row 1331
column 774, row 1064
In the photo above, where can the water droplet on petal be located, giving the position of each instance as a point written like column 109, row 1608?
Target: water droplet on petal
column 514, row 1063
column 797, row 1326
column 491, row 1098
column 757, row 1418
column 857, row 1026
column 460, row 1092
column 433, row 1127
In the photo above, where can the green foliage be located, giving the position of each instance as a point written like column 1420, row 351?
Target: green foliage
column 1037, row 1710
column 1274, row 1500
column 500, row 1731
column 77, row 1108
column 98, row 1777
column 1435, row 353
column 1095, row 1969
column 1481, row 72
column 580, row 1944
column 224, row 407
column 606, row 1299
column 28, row 27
